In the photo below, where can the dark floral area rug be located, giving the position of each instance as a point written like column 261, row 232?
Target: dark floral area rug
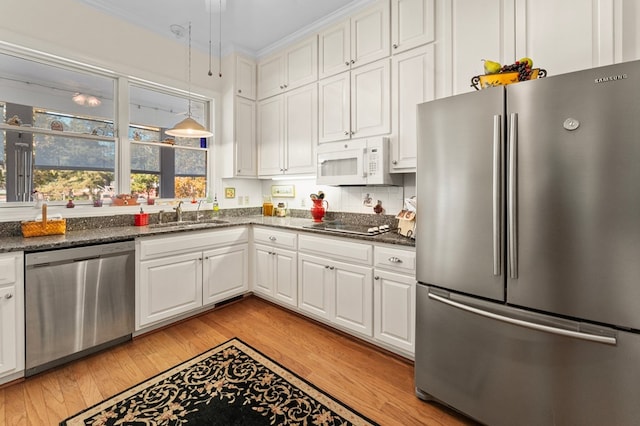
column 231, row 384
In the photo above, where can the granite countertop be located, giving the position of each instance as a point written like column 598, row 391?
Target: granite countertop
column 90, row 235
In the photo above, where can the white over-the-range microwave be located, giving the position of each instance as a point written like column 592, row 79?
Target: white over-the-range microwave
column 355, row 162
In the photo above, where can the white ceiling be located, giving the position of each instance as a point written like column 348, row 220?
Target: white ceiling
column 253, row 27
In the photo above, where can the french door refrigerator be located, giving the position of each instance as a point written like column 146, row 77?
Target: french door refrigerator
column 528, row 240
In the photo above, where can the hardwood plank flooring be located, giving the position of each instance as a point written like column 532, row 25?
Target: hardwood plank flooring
column 374, row 382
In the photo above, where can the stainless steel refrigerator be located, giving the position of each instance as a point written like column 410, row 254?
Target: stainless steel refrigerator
column 528, row 302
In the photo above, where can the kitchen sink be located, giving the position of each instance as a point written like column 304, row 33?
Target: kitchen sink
column 188, row 223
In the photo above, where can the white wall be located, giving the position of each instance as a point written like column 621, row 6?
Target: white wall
column 72, row 30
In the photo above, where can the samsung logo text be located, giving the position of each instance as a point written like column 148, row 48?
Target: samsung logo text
column 611, row 78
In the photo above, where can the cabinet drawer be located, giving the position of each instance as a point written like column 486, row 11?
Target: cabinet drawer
column 275, row 238
column 7, row 270
column 337, row 248
column 191, row 241
column 403, row 261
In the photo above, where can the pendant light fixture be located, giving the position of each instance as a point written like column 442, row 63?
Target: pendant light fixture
column 189, row 128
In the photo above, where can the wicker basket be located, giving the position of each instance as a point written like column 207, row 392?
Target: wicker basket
column 41, row 228
column 44, row 227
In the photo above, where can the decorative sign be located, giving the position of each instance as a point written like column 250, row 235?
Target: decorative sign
column 229, row 193
column 283, row 191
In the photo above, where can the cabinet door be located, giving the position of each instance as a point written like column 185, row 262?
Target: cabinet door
column 586, row 27
column 412, row 24
column 354, row 297
column 225, row 273
column 301, row 62
column 270, row 136
column 371, row 100
column 301, row 130
column 169, row 286
column 413, row 83
column 371, row 34
column 394, row 309
column 245, row 78
column 8, row 331
column 285, row 276
column 315, row 286
column 334, row 108
column 245, row 132
column 263, row 269
column 271, row 77
column 334, row 45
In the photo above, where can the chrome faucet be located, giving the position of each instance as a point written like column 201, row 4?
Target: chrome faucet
column 179, row 211
column 199, row 216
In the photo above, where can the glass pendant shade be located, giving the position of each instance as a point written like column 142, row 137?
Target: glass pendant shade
column 189, row 128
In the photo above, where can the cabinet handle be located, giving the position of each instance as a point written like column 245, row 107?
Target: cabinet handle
column 394, row 162
column 272, row 238
column 353, row 133
column 394, row 259
column 395, row 46
column 281, row 86
column 326, row 266
column 346, row 133
column 332, row 267
column 239, row 90
column 286, row 85
column 353, row 62
column 376, row 277
column 8, row 296
column 347, row 63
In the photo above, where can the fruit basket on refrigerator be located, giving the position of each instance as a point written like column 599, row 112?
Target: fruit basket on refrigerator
column 500, row 75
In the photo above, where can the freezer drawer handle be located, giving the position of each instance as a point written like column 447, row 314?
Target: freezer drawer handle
column 527, row 324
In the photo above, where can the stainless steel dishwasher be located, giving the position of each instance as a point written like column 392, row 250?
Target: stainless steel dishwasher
column 78, row 301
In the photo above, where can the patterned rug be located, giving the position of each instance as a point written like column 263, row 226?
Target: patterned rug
column 231, row 384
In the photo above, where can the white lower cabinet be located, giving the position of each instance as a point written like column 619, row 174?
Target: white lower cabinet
column 11, row 316
column 178, row 274
column 338, row 291
column 275, row 265
column 275, row 272
column 225, row 273
column 394, row 289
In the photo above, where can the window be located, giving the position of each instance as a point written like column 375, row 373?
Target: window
column 162, row 165
column 59, row 134
column 56, row 133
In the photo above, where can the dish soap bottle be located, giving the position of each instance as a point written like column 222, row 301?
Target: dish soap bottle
column 216, row 207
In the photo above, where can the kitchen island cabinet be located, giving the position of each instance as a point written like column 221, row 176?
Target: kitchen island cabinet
column 11, row 316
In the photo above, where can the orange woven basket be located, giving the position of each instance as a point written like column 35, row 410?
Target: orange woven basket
column 44, row 227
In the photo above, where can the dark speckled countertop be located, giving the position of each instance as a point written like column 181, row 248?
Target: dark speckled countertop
column 80, row 234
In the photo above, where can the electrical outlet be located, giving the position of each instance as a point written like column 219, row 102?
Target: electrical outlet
column 246, row 200
column 240, row 200
column 302, row 203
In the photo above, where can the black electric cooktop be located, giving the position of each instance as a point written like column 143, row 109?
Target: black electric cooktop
column 349, row 228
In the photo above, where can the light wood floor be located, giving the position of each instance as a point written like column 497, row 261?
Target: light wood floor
column 374, row 382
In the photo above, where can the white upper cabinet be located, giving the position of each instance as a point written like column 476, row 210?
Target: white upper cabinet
column 288, row 132
column 362, row 39
column 356, row 104
column 412, row 24
column 245, row 78
column 413, row 82
column 560, row 37
column 371, row 100
column 245, row 161
column 295, row 67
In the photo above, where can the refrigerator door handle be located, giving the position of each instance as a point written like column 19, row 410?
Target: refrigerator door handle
column 511, row 196
column 497, row 191
column 531, row 325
